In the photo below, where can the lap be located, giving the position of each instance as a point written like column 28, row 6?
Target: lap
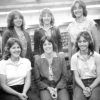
column 78, row 93
column 45, row 95
column 95, row 93
column 62, row 95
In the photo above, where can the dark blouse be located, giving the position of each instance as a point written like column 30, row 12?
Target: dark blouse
column 39, row 33
column 41, row 70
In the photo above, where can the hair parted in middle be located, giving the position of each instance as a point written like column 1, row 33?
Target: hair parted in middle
column 88, row 38
column 46, row 11
column 11, row 17
column 9, row 44
column 82, row 4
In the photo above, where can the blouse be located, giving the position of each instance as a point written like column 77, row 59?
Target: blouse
column 15, row 72
column 86, row 68
column 75, row 28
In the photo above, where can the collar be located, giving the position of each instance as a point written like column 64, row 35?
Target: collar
column 54, row 55
column 9, row 61
column 43, row 27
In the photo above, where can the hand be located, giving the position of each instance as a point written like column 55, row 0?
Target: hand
column 53, row 92
column 87, row 91
column 21, row 96
column 24, row 94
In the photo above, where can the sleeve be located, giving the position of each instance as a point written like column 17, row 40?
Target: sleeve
column 59, row 40
column 2, row 68
column 62, row 83
column 36, row 42
column 5, row 37
column 37, row 76
column 30, row 56
column 74, row 62
column 94, row 33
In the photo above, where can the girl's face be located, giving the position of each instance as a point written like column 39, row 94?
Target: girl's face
column 78, row 10
column 17, row 21
column 46, row 19
column 83, row 44
column 48, row 47
column 15, row 50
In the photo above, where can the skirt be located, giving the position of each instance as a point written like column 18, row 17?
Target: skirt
column 7, row 96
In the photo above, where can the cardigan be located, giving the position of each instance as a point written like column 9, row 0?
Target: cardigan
column 41, row 72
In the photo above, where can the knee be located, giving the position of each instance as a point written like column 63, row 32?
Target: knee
column 45, row 95
column 63, row 94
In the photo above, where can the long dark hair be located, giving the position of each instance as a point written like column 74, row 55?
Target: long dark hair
column 9, row 44
column 88, row 38
column 11, row 17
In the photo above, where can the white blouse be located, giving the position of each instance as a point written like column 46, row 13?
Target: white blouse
column 15, row 72
column 86, row 68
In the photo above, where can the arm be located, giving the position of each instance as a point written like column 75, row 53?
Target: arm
column 8, row 89
column 30, row 56
column 37, row 76
column 36, row 42
column 74, row 68
column 95, row 37
column 62, row 82
column 59, row 40
column 78, row 80
column 97, row 80
column 5, row 37
column 27, row 82
column 69, row 48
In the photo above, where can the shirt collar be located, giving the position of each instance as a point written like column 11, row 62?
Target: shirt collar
column 54, row 55
column 9, row 61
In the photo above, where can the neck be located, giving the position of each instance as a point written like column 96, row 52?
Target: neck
column 17, row 28
column 14, row 59
column 84, row 52
column 80, row 19
column 49, row 55
column 47, row 26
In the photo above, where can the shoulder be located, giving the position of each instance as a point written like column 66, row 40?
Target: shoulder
column 90, row 21
column 2, row 64
column 96, row 55
column 74, row 57
column 71, row 25
column 25, row 60
column 38, row 31
column 7, row 31
column 37, row 58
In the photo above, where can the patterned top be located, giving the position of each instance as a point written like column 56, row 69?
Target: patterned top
column 75, row 28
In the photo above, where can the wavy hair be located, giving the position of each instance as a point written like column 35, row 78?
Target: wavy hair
column 44, row 38
column 82, row 4
column 9, row 44
column 88, row 38
column 11, row 17
column 46, row 11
